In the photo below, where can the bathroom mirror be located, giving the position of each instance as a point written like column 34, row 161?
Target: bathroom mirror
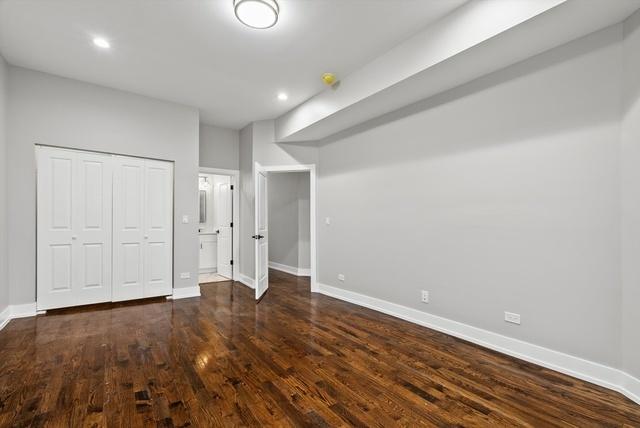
column 203, row 206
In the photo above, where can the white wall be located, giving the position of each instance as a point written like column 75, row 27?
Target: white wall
column 219, row 147
column 4, row 276
column 45, row 109
column 288, row 227
column 630, row 233
column 499, row 195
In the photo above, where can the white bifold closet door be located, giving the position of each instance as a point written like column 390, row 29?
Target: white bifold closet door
column 142, row 228
column 74, row 228
column 104, row 228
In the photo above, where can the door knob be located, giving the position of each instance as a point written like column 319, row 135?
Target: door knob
column 258, row 236
column 146, row 236
column 74, row 237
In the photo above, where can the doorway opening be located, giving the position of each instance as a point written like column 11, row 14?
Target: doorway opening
column 288, row 242
column 217, row 216
column 289, row 222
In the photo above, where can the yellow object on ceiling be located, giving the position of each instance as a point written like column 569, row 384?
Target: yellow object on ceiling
column 329, row 79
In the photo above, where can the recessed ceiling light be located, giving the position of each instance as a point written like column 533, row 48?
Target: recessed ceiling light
column 101, row 42
column 259, row 14
column 283, row 97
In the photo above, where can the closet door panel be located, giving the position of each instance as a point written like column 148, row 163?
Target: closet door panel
column 55, row 252
column 158, row 236
column 73, row 228
column 128, row 228
column 131, row 263
column 58, row 180
column 60, row 281
column 93, row 200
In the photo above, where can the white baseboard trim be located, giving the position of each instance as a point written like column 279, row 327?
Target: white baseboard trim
column 5, row 317
column 24, row 310
column 185, row 292
column 580, row 368
column 304, row 272
column 17, row 311
column 246, row 280
column 290, row 269
column 630, row 386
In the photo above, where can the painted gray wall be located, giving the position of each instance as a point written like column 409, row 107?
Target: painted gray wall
column 219, row 147
column 45, row 109
column 288, row 227
column 247, row 204
column 630, row 161
column 268, row 153
column 4, row 275
column 283, row 218
column 257, row 145
column 304, row 224
column 500, row 195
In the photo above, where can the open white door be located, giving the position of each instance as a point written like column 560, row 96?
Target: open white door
column 262, row 233
column 222, row 194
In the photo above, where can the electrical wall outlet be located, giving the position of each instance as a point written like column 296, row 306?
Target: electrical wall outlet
column 340, row 277
column 425, row 296
column 185, row 219
column 185, row 275
column 512, row 318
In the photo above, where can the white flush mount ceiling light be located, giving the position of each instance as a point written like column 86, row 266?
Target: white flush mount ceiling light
column 283, row 97
column 258, row 14
column 101, row 42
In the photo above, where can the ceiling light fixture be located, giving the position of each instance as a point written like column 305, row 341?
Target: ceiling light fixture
column 283, row 97
column 101, row 42
column 258, row 14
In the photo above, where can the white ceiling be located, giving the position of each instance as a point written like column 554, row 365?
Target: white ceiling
column 195, row 52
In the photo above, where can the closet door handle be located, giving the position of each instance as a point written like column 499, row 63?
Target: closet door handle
column 258, row 236
column 74, row 237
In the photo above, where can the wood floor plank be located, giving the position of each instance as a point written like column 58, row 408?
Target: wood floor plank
column 296, row 359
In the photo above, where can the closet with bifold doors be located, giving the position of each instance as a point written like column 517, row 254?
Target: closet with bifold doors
column 104, row 227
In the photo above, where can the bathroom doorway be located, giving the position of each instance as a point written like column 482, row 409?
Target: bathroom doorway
column 217, row 212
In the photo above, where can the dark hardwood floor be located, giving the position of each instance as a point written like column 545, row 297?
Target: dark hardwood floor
column 295, row 359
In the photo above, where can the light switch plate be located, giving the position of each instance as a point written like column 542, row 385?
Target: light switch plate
column 185, row 219
column 185, row 275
